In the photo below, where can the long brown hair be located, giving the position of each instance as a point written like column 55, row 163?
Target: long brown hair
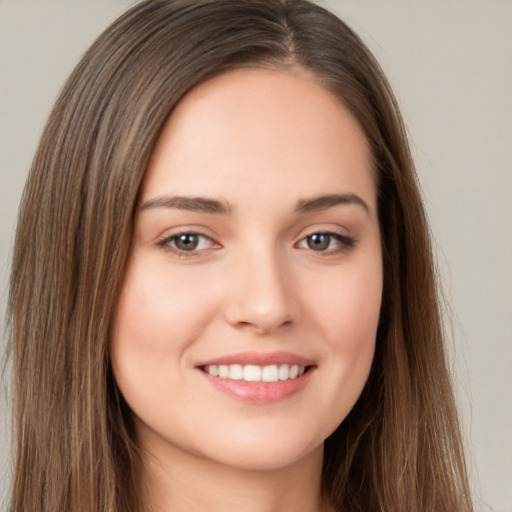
column 398, row 450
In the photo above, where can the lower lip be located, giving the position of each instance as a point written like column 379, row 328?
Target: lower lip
column 260, row 392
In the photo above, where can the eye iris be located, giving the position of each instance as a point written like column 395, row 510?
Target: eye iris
column 318, row 242
column 187, row 242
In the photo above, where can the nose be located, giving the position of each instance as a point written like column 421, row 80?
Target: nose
column 261, row 294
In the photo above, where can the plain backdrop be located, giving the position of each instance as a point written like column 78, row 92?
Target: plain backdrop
column 450, row 64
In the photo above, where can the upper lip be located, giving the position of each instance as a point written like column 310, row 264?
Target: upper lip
column 259, row 359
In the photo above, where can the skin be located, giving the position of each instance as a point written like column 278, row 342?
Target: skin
column 260, row 142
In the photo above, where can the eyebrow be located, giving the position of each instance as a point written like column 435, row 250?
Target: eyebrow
column 196, row 204
column 208, row 205
column 330, row 200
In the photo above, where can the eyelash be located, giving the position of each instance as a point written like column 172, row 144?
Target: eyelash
column 345, row 243
column 166, row 242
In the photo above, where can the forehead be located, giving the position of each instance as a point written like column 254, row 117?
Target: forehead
column 269, row 129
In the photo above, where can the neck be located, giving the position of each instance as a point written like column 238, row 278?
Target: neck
column 181, row 482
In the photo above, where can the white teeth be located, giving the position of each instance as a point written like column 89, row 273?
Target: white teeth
column 254, row 373
column 284, row 372
column 236, row 372
column 270, row 373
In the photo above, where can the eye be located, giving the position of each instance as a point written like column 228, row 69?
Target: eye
column 184, row 243
column 326, row 242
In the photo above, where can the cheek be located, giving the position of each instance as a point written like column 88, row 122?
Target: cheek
column 347, row 314
column 350, row 320
column 159, row 315
column 160, row 309
column 348, row 304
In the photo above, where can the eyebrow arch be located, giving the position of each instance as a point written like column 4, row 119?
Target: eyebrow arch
column 330, row 200
column 196, row 204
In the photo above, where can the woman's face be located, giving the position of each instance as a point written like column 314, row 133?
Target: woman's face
column 246, row 324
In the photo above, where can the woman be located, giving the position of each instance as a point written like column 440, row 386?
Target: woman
column 222, row 293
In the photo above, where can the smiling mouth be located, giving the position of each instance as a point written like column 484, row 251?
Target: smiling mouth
column 255, row 373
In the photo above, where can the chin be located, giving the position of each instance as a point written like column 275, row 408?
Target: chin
column 271, row 453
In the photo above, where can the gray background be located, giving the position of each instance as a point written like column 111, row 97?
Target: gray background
column 450, row 63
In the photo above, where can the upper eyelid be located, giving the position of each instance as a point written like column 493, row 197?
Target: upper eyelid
column 340, row 232
column 186, row 230
column 333, row 234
